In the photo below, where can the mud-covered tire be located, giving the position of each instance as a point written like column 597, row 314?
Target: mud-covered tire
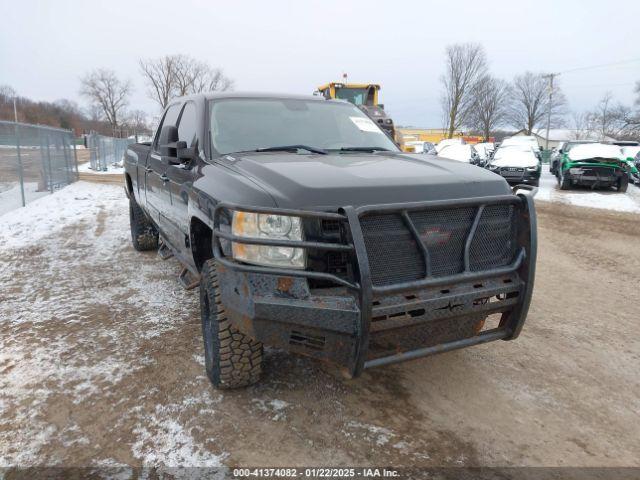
column 232, row 359
column 623, row 183
column 144, row 235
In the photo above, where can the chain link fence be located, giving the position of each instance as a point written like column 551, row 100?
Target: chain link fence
column 34, row 161
column 106, row 151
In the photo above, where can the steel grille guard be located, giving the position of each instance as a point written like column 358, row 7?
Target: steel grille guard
column 524, row 262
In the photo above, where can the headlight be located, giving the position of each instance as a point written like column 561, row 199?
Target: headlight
column 532, row 169
column 262, row 225
column 576, row 171
column 493, row 167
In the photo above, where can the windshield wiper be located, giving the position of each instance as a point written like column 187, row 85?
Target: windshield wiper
column 364, row 149
column 291, row 148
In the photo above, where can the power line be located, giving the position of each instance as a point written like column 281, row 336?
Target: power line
column 623, row 62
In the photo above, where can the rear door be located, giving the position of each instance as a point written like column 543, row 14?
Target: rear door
column 158, row 198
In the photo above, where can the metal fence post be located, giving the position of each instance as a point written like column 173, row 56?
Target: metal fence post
column 20, row 172
column 75, row 159
column 49, row 162
column 67, row 157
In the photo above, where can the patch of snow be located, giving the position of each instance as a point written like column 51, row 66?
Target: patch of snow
column 162, row 440
column 380, row 435
column 51, row 213
column 11, row 196
column 594, row 150
column 277, row 407
column 583, row 197
column 111, row 169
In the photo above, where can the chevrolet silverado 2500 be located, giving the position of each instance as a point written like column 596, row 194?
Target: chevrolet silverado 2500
column 307, row 229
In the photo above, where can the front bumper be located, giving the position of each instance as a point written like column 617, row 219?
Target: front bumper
column 517, row 175
column 595, row 176
column 356, row 324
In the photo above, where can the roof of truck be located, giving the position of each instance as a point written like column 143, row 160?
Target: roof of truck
column 220, row 95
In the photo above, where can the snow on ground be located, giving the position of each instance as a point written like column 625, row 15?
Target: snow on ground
column 77, row 324
column 51, row 213
column 11, row 197
column 585, row 197
column 111, row 169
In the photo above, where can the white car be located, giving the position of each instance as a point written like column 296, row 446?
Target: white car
column 523, row 140
column 517, row 164
column 460, row 152
column 448, row 142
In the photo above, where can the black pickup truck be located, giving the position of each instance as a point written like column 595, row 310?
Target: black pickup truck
column 307, row 229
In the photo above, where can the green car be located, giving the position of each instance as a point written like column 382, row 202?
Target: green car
column 595, row 165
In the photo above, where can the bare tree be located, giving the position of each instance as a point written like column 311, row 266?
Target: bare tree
column 213, row 80
column 7, row 93
column 616, row 120
column 489, row 105
column 581, row 126
column 105, row 90
column 604, row 118
column 176, row 75
column 530, row 101
column 465, row 64
column 137, row 121
column 160, row 76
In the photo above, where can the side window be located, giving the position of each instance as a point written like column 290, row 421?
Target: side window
column 170, row 118
column 187, row 130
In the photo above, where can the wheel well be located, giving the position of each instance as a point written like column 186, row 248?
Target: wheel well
column 129, row 184
column 201, row 247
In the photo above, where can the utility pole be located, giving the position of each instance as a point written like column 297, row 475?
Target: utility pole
column 550, row 77
column 15, row 110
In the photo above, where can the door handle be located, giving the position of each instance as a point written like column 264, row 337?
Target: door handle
column 164, row 178
column 148, row 170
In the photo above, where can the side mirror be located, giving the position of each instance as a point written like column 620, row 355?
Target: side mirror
column 167, row 141
column 184, row 153
column 381, row 105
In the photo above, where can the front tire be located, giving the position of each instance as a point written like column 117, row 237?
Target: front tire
column 563, row 181
column 623, row 183
column 144, row 235
column 232, row 359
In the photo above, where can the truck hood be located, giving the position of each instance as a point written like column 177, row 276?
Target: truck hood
column 336, row 180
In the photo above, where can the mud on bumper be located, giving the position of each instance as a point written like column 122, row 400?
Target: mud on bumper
column 357, row 323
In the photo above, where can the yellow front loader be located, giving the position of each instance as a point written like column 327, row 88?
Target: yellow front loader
column 365, row 97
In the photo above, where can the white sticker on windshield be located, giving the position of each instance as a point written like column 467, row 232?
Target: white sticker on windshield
column 365, row 124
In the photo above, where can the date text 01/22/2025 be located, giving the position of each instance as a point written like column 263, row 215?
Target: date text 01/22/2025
column 314, row 473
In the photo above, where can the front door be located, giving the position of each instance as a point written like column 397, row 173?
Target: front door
column 180, row 178
column 157, row 195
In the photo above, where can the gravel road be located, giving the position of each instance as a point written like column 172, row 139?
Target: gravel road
column 101, row 362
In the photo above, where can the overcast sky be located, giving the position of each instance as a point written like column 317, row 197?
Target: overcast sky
column 294, row 46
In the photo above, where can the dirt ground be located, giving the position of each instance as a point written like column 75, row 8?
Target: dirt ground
column 102, row 365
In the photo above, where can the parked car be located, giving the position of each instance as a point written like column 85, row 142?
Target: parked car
column 563, row 149
column 529, row 141
column 460, row 152
column 420, row 146
column 485, row 151
column 429, row 148
column 307, row 229
column 518, row 164
column 447, row 142
column 595, row 165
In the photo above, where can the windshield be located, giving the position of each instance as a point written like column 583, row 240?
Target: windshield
column 242, row 124
column 357, row 96
column 594, row 150
column 509, row 149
